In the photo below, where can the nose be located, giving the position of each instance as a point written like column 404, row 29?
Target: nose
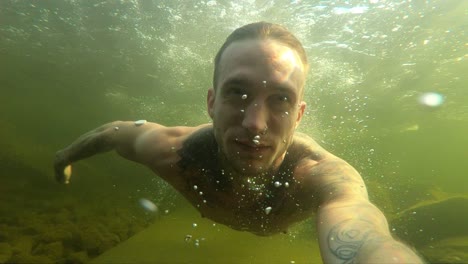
column 255, row 118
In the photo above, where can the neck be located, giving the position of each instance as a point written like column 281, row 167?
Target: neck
column 250, row 180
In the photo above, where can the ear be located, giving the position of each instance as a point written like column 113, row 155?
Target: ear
column 300, row 113
column 210, row 99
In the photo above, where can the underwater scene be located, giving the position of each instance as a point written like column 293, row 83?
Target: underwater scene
column 387, row 91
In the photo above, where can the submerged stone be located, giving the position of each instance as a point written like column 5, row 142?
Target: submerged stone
column 438, row 220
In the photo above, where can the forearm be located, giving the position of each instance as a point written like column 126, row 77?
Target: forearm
column 386, row 250
column 358, row 233
column 119, row 135
column 99, row 140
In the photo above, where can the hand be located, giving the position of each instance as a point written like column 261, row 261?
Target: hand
column 62, row 168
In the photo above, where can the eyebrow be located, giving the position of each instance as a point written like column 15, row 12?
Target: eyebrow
column 241, row 80
column 245, row 81
column 284, row 88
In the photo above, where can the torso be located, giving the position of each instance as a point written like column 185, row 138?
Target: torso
column 262, row 208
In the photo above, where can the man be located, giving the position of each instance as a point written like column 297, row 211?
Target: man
column 249, row 169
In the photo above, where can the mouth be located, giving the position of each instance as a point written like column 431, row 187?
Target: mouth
column 251, row 146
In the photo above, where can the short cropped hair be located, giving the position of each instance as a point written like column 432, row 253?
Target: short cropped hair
column 262, row 31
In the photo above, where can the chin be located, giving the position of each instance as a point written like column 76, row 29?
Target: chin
column 251, row 167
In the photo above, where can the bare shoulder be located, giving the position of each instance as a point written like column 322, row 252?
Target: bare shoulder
column 309, row 147
column 157, row 144
column 327, row 175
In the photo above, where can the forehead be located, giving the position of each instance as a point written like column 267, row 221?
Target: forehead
column 260, row 51
column 266, row 59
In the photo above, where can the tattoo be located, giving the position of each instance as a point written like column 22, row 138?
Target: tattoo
column 199, row 156
column 346, row 238
column 336, row 177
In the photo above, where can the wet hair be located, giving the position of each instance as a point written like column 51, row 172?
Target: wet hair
column 262, row 31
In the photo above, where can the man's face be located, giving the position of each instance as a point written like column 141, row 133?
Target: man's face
column 257, row 103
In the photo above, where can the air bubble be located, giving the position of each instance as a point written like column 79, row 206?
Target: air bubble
column 431, row 99
column 140, row 122
column 244, row 96
column 148, row 205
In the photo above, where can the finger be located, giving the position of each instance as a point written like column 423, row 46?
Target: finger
column 61, row 168
column 67, row 172
column 63, row 174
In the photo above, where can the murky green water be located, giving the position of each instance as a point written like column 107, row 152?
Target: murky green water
column 69, row 66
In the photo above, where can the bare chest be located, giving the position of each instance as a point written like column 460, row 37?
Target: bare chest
column 263, row 209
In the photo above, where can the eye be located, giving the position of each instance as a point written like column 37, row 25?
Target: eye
column 281, row 102
column 236, row 95
column 281, row 98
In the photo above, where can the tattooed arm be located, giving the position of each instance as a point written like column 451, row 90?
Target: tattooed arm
column 144, row 142
column 350, row 228
column 132, row 140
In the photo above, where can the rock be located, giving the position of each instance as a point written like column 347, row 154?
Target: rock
column 91, row 240
column 450, row 250
column 8, row 232
column 30, row 231
column 62, row 232
column 411, row 194
column 432, row 221
column 78, row 257
column 26, row 258
column 23, row 244
column 120, row 228
column 6, row 251
column 52, row 250
column 62, row 216
column 97, row 240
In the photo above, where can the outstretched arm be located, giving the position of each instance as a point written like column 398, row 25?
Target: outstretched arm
column 130, row 139
column 350, row 228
